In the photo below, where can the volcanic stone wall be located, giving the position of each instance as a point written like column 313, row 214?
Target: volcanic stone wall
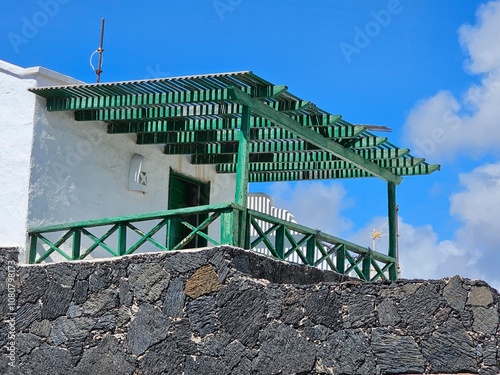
column 229, row 311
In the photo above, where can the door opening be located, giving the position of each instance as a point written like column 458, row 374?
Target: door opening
column 185, row 192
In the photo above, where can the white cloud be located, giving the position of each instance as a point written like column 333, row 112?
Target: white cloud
column 444, row 125
column 314, row 204
column 473, row 251
column 423, row 255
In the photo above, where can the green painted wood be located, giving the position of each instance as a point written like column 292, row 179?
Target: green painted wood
column 352, row 247
column 393, row 239
column 113, row 100
column 327, row 125
column 379, row 273
column 99, row 242
column 53, row 247
column 132, row 218
column 280, row 241
column 147, row 236
column 310, row 250
column 326, row 256
column 242, row 169
column 228, row 235
column 340, row 259
column 366, row 267
column 313, row 137
column 33, row 249
column 295, row 157
column 76, row 244
column 318, row 165
column 256, row 134
column 122, row 238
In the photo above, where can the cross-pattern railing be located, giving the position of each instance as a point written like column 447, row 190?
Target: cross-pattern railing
column 215, row 225
column 127, row 234
column 297, row 243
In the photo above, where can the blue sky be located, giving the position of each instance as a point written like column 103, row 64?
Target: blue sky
column 429, row 69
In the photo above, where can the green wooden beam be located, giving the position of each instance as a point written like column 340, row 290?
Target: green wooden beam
column 393, row 224
column 256, row 134
column 242, row 173
column 313, row 137
column 290, row 157
column 325, row 125
column 114, row 100
column 317, row 165
column 242, row 169
column 307, row 175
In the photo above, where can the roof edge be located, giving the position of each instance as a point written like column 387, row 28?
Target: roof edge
column 39, row 71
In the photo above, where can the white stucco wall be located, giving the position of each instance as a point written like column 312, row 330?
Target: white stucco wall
column 58, row 170
column 16, row 127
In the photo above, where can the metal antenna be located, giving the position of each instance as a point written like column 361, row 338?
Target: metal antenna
column 100, row 51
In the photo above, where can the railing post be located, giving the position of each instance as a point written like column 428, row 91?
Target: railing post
column 122, row 238
column 227, row 227
column 279, row 244
column 393, row 239
column 366, row 267
column 310, row 250
column 340, row 258
column 33, row 245
column 77, row 240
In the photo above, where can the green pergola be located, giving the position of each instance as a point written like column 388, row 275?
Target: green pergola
column 242, row 124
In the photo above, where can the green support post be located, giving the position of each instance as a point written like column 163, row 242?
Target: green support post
column 367, row 264
column 279, row 244
column 310, row 248
column 77, row 240
column 242, row 174
column 33, row 244
column 340, row 257
column 122, row 238
column 393, row 240
column 227, row 226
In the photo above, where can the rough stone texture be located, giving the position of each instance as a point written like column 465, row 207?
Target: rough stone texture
column 230, row 311
column 396, row 354
column 480, row 296
column 149, row 327
column 204, row 281
column 173, row 305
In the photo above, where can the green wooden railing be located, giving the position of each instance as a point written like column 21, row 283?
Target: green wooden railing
column 300, row 244
column 228, row 223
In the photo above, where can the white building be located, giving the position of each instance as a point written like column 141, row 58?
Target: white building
column 55, row 170
column 164, row 164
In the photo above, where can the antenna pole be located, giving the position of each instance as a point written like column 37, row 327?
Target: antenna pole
column 100, row 50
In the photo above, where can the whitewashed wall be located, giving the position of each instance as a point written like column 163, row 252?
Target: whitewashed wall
column 16, row 128
column 58, row 170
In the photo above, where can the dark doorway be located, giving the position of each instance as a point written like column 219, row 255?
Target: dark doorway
column 185, row 192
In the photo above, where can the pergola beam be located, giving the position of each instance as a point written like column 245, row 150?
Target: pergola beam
column 321, row 124
column 113, row 98
column 313, row 137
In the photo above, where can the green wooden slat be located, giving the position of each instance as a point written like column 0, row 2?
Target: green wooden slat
column 307, row 175
column 290, row 157
column 315, row 165
column 313, row 137
column 256, row 134
column 112, row 100
column 328, row 125
column 147, row 236
column 99, row 241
